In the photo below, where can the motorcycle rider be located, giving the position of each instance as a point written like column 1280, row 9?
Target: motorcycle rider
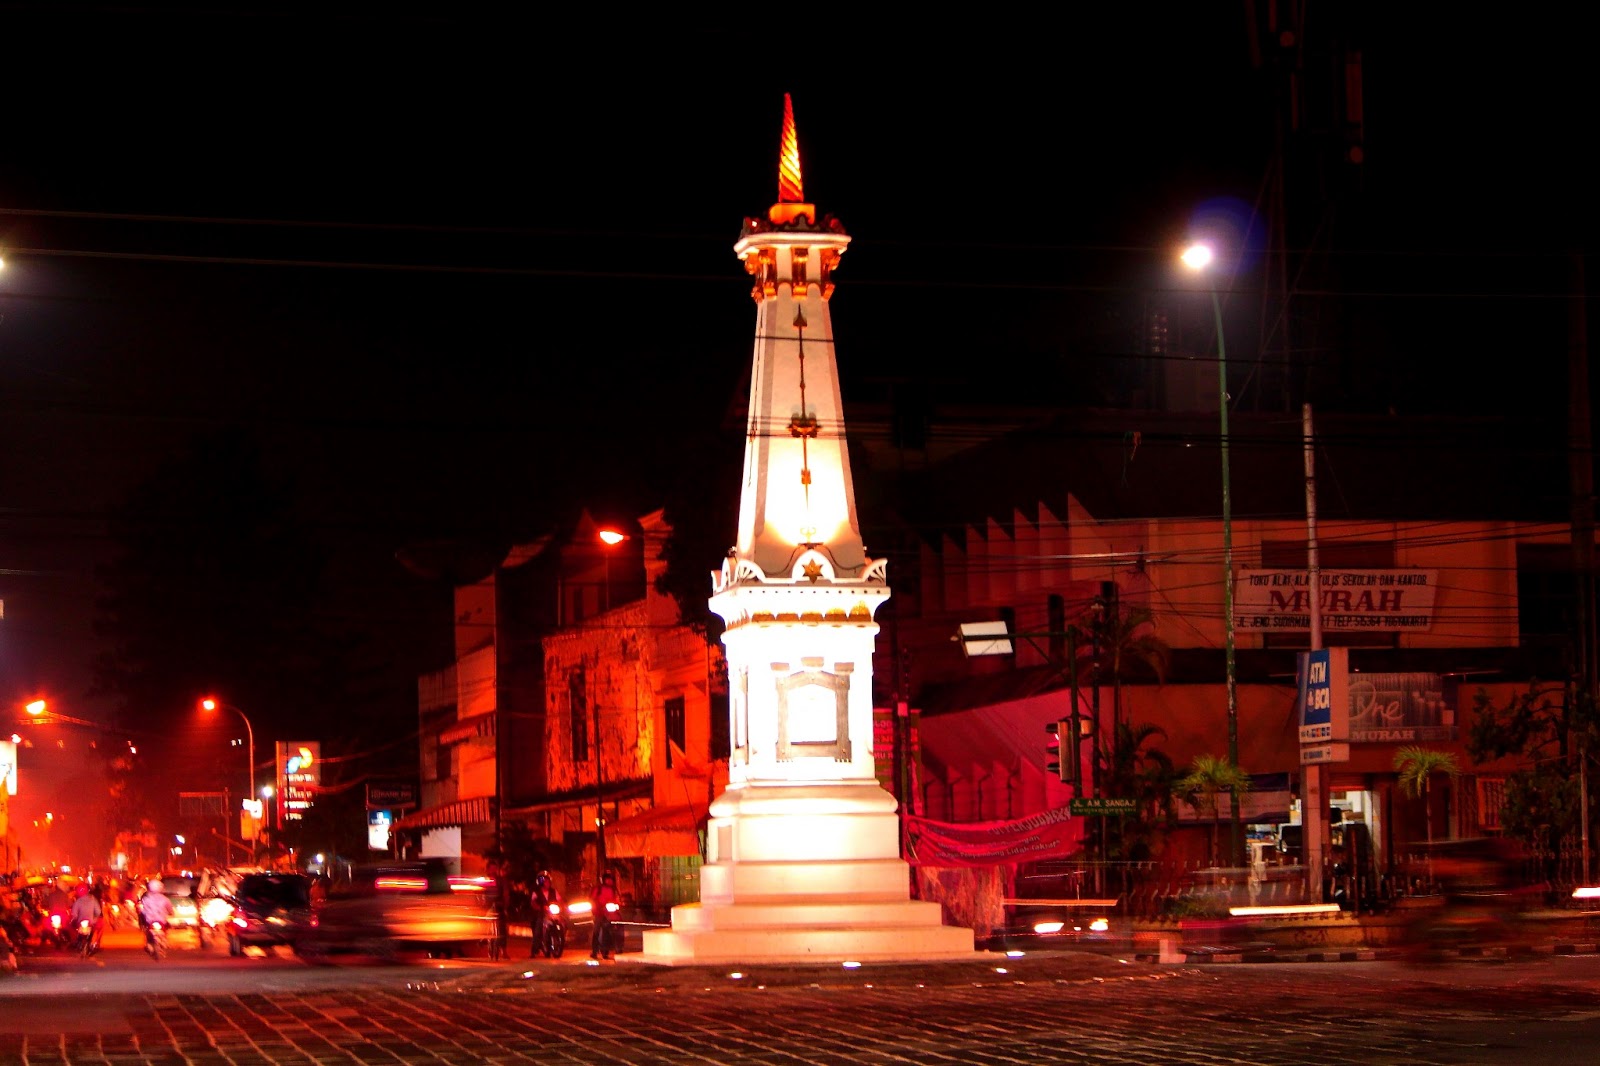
column 86, row 907
column 544, row 894
column 606, row 902
column 154, row 906
column 58, row 911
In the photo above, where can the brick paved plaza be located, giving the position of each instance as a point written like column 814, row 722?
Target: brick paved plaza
column 1042, row 1009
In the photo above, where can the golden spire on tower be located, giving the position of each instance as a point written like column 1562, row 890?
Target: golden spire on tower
column 791, row 208
column 790, row 190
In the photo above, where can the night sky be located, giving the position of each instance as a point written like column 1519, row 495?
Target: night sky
column 458, row 272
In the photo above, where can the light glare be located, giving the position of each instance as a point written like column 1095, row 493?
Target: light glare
column 1197, row 256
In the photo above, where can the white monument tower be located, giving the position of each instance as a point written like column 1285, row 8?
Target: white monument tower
column 804, row 850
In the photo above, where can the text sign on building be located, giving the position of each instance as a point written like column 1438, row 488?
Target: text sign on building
column 391, row 794
column 1400, row 708
column 299, row 774
column 1351, row 600
column 1324, row 753
column 1323, row 696
column 8, row 767
column 378, row 824
column 1101, row 806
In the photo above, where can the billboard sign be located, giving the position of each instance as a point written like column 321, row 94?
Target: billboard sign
column 378, row 826
column 299, row 775
column 8, row 767
column 389, row 794
column 1350, row 600
column 1322, row 682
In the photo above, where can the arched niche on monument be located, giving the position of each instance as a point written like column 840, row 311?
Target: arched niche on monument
column 814, row 714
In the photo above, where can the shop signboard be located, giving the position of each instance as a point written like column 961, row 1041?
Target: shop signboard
column 1350, row 600
column 1400, row 708
column 387, row 795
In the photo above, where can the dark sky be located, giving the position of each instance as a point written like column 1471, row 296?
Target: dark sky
column 426, row 259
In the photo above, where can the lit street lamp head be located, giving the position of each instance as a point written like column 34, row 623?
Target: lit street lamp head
column 1197, row 256
column 611, row 537
column 36, row 708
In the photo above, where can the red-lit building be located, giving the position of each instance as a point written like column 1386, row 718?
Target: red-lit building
column 578, row 707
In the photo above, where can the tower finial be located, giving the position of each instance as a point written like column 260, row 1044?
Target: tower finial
column 790, row 190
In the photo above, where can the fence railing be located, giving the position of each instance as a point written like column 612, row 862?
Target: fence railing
column 1156, row 890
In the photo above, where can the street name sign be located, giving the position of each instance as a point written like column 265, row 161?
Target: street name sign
column 1099, row 808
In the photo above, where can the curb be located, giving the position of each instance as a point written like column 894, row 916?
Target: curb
column 1488, row 951
column 1214, row 958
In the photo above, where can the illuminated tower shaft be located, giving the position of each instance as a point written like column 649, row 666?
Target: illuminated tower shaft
column 803, row 857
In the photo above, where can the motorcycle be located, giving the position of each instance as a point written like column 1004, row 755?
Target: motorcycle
column 83, row 940
column 155, row 940
column 553, row 935
column 54, row 934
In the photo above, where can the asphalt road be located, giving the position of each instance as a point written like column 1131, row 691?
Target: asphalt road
column 205, row 1008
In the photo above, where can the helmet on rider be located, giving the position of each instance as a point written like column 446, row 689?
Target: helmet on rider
column 155, row 885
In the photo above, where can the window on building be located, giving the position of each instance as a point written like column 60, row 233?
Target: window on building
column 676, row 735
column 1547, row 593
column 720, row 741
column 578, row 711
column 1491, row 801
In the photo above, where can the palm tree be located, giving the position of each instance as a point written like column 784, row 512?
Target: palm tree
column 1209, row 776
column 1137, row 769
column 1128, row 643
column 1417, row 767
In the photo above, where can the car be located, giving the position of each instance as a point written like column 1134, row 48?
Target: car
column 269, row 909
column 185, row 895
column 418, row 905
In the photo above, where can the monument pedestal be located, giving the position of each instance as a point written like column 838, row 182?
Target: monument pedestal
column 805, row 873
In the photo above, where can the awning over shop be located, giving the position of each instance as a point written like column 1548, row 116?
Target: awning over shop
column 613, row 791
column 479, row 725
column 462, row 812
column 654, row 833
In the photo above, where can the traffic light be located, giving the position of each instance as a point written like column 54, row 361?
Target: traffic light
column 1063, row 764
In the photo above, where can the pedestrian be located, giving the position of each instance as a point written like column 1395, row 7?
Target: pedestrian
column 606, row 905
column 502, row 918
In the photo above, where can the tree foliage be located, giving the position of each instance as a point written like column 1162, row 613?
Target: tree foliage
column 1548, row 726
column 1207, row 778
column 1136, row 768
column 1129, row 649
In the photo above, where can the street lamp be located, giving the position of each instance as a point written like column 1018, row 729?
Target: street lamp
column 610, row 538
column 211, row 704
column 1198, row 257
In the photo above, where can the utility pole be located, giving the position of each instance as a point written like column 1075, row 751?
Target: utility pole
column 599, row 795
column 1314, row 791
column 1580, row 460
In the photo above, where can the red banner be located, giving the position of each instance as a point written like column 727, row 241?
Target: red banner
column 1051, row 834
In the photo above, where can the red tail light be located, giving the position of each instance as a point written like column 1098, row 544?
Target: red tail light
column 554, row 908
column 55, row 921
column 241, row 922
column 84, row 927
column 156, row 927
column 612, row 908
